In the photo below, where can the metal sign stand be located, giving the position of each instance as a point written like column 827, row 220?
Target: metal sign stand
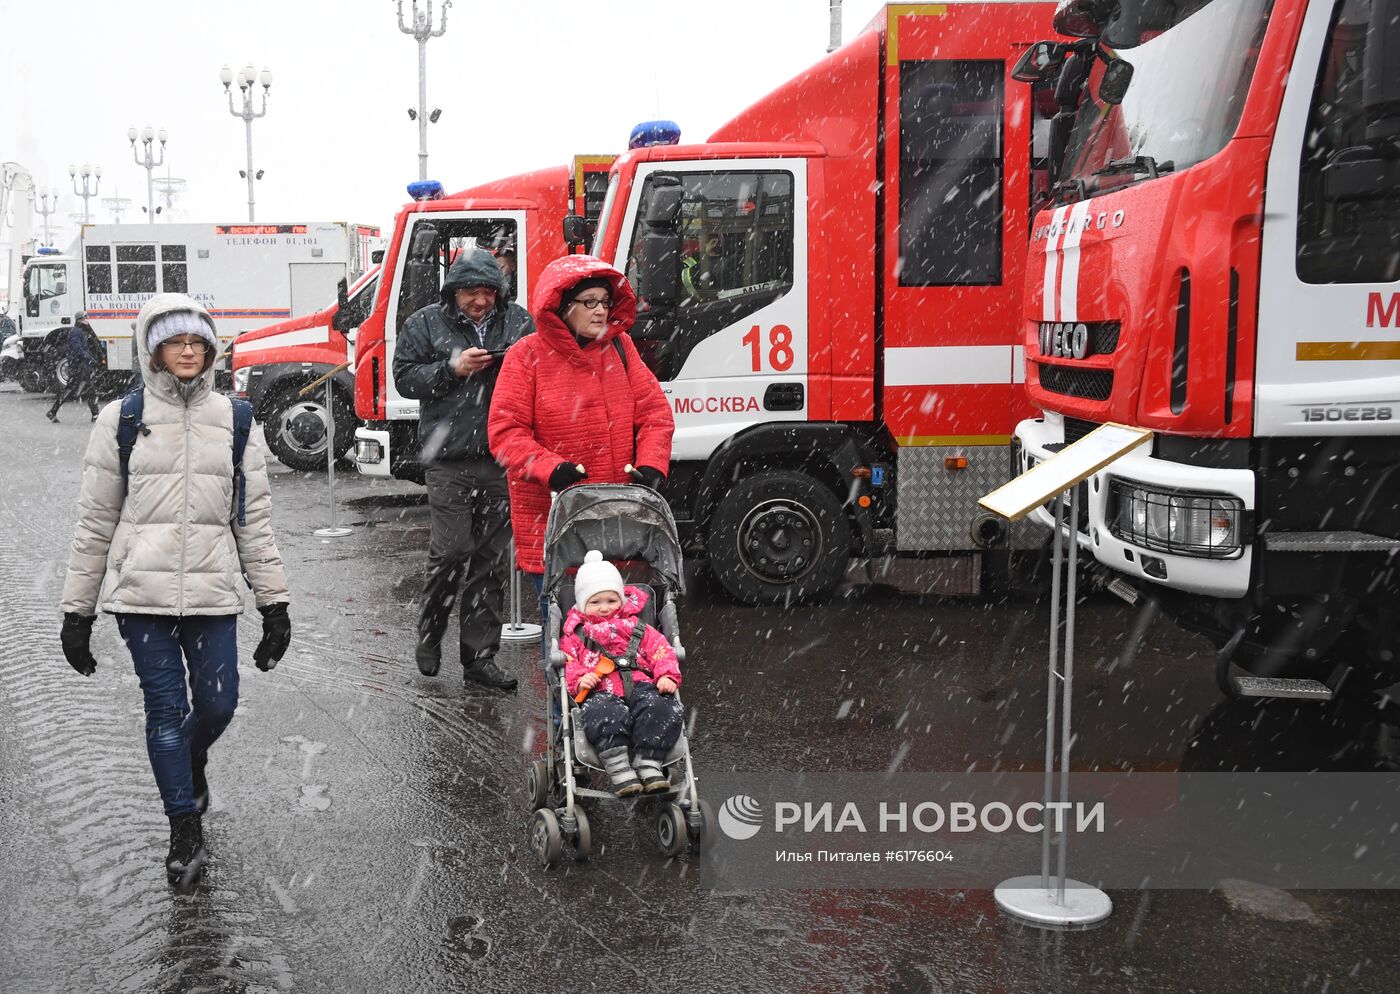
column 514, row 630
column 333, row 531
column 1069, row 903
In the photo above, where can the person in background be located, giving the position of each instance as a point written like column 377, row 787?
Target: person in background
column 86, row 357
column 166, row 547
column 446, row 357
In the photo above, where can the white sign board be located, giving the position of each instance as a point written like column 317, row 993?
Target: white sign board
column 1070, row 466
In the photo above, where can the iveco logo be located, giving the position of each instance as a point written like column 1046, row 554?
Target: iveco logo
column 1069, row 341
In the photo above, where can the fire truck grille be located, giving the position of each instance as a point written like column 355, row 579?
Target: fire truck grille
column 1090, row 384
column 1075, row 429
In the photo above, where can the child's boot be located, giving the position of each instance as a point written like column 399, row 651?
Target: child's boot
column 654, row 779
column 624, row 778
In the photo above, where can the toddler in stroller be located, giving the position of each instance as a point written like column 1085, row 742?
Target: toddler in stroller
column 624, row 674
column 612, row 674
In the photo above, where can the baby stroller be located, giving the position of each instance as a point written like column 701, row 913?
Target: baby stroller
column 624, row 523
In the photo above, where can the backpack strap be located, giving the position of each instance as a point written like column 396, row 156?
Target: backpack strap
column 621, row 352
column 242, row 428
column 128, row 427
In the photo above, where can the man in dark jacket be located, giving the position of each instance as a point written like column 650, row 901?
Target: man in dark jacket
column 447, row 356
column 86, row 358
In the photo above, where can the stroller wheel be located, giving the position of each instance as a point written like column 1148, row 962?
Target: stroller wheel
column 670, row 829
column 546, row 838
column 701, row 826
column 537, row 784
column 583, row 838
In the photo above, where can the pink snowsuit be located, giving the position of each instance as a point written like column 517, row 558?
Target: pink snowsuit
column 655, row 657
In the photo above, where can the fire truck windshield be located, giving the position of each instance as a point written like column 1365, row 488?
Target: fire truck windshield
column 1191, row 68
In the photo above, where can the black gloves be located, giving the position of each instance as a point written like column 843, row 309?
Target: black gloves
column 76, row 636
column 277, row 635
column 566, row 474
column 648, row 476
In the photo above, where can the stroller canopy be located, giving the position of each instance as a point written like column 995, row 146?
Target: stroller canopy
column 620, row 521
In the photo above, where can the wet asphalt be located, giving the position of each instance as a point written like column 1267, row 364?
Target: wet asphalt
column 368, row 829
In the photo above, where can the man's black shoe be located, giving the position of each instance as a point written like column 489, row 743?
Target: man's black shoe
column 51, row 416
column 429, row 658
column 485, row 672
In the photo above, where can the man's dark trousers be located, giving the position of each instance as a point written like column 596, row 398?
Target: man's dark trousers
column 466, row 554
column 82, row 383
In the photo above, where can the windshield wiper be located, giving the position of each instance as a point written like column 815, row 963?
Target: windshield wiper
column 1137, row 164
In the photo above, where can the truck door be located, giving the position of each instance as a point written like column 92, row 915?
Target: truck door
column 46, row 297
column 314, row 285
column 1329, row 292
column 432, row 241
column 730, row 345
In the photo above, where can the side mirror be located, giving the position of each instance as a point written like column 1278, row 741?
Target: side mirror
column 1061, row 125
column 1069, row 84
column 1040, row 62
column 575, row 231
column 376, row 257
column 1113, row 86
column 340, row 319
column 659, row 254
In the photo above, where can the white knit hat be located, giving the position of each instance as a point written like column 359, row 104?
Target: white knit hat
column 173, row 323
column 595, row 575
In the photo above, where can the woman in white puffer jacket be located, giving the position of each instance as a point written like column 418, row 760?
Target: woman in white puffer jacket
column 165, row 552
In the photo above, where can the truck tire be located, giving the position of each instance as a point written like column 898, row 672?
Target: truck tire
column 31, row 378
column 779, row 537
column 58, row 374
column 295, row 427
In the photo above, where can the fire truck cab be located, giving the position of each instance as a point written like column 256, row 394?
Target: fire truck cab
column 1221, row 264
column 830, row 296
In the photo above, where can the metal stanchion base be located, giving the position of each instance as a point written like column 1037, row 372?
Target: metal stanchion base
column 1025, row 898
column 333, row 532
column 520, row 633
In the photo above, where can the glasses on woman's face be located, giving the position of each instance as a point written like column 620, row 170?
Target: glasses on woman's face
column 593, row 303
column 177, row 347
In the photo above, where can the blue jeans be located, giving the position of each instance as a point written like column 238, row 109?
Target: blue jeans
column 161, row 648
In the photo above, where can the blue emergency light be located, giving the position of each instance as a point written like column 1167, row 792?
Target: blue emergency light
column 47, row 250
column 425, row 189
column 650, row 133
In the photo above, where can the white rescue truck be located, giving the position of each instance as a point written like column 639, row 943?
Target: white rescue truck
column 247, row 275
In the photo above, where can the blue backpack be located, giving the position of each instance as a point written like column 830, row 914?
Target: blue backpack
column 130, row 426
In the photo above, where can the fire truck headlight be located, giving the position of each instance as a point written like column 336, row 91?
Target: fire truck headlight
column 368, row 451
column 240, row 379
column 1208, row 526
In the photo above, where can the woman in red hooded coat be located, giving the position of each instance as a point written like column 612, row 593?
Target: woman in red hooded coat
column 575, row 394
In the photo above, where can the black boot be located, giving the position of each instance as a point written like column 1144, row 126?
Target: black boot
column 485, row 672
column 429, row 658
column 201, row 784
column 185, row 861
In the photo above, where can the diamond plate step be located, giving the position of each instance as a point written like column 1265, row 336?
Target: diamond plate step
column 1267, row 686
column 1329, row 542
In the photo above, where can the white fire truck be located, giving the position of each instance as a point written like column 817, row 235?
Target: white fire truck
column 247, row 275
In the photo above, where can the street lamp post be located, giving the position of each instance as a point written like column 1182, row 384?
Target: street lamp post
column 88, row 173
column 45, row 204
column 147, row 136
column 247, row 77
column 422, row 30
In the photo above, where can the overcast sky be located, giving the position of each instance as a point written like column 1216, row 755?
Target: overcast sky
column 521, row 83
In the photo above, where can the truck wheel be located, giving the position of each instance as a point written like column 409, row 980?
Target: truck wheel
column 777, row 537
column 58, row 374
column 296, row 428
column 31, row 378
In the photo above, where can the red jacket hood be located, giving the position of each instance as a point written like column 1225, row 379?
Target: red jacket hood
column 559, row 276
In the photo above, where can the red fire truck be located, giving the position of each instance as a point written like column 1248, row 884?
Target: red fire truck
column 831, row 292
column 502, row 216
column 1221, row 265
column 272, row 365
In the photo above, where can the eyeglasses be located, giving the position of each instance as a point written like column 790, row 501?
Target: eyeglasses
column 593, row 303
column 199, row 346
